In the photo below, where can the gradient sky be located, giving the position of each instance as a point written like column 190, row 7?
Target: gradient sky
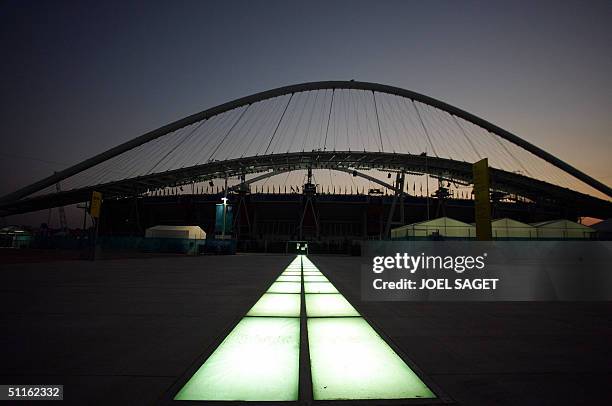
column 79, row 77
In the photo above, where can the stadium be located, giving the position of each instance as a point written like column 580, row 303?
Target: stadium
column 329, row 162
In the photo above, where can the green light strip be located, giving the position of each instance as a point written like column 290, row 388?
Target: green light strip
column 348, row 359
column 259, row 359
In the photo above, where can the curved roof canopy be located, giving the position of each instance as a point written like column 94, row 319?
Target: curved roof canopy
column 306, row 125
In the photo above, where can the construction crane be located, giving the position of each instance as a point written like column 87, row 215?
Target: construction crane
column 62, row 212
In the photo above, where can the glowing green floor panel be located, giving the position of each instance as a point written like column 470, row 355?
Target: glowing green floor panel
column 289, row 278
column 319, row 287
column 277, row 304
column 315, row 278
column 285, row 287
column 257, row 361
column 349, row 360
column 328, row 305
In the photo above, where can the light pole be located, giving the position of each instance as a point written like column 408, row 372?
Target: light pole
column 224, row 213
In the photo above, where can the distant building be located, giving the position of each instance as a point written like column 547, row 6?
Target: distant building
column 15, row 237
column 440, row 227
column 604, row 229
column 505, row 228
column 512, row 229
column 187, row 232
column 182, row 239
column 563, row 229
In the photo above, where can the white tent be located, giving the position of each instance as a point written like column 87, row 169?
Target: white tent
column 186, row 232
column 443, row 226
column 604, row 229
column 508, row 228
column 557, row 229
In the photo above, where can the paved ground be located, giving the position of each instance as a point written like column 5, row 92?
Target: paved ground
column 121, row 331
column 124, row 331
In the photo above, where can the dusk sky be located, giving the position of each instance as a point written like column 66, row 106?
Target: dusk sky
column 80, row 77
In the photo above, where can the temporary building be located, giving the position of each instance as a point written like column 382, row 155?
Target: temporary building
column 563, row 229
column 443, row 227
column 508, row 228
column 185, row 232
column 15, row 237
column 604, row 229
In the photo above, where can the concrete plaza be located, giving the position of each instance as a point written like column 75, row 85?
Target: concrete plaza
column 126, row 331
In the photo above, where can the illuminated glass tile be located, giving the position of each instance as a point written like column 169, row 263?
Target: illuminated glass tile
column 319, row 287
column 312, row 273
column 349, row 360
column 328, row 305
column 289, row 278
column 298, row 273
column 285, row 287
column 257, row 361
column 315, row 278
column 277, row 304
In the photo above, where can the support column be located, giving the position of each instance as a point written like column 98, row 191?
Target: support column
column 399, row 195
